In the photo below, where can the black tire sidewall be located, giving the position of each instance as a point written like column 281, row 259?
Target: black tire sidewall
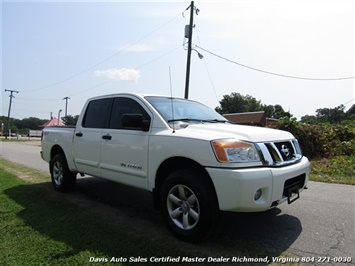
column 69, row 178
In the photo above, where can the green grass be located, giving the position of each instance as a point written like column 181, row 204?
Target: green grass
column 41, row 227
column 38, row 228
column 340, row 170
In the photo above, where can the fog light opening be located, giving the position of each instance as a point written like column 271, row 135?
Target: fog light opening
column 257, row 194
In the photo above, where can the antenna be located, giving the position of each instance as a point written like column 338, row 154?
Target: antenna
column 172, row 102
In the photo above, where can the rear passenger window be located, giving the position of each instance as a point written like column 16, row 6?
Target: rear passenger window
column 123, row 105
column 95, row 114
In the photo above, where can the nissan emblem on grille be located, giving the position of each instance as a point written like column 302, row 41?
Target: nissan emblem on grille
column 285, row 150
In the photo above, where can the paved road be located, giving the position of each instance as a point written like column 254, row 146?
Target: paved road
column 26, row 153
column 320, row 224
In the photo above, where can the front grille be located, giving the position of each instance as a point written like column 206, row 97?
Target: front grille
column 286, row 150
column 280, row 153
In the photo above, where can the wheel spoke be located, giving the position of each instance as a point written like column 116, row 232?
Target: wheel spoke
column 174, row 199
column 176, row 213
column 182, row 193
column 194, row 215
column 183, row 207
column 185, row 220
column 192, row 199
column 58, row 173
column 62, row 178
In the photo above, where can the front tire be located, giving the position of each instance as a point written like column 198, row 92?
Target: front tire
column 62, row 179
column 189, row 205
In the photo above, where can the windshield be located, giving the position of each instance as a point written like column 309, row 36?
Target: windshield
column 184, row 110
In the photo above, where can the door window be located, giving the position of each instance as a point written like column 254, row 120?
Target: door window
column 122, row 106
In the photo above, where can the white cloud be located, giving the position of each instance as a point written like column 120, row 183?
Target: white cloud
column 124, row 74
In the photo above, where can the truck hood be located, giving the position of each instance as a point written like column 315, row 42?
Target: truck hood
column 212, row 131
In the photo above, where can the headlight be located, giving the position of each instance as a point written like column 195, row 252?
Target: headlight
column 231, row 150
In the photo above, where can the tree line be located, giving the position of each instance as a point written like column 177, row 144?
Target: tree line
column 238, row 103
column 23, row 126
column 327, row 134
column 233, row 103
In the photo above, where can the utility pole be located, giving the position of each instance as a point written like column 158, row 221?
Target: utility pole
column 59, row 116
column 66, row 104
column 8, row 114
column 189, row 36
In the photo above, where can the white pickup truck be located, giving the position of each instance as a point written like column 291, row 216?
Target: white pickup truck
column 194, row 161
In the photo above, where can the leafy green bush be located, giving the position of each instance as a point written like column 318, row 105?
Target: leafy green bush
column 322, row 140
column 345, row 148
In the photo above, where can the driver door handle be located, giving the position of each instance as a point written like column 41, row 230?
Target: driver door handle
column 107, row 137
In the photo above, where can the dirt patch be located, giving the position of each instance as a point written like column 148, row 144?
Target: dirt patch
column 29, row 175
column 31, row 141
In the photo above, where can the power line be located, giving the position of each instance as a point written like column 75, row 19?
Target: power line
column 157, row 58
column 273, row 73
column 107, row 58
column 207, row 70
column 91, row 88
column 348, row 101
column 138, row 67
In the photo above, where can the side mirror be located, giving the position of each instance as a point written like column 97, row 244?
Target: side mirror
column 135, row 122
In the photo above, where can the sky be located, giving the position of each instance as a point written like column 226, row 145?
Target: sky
column 299, row 54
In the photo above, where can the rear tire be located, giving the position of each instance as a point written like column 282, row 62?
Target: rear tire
column 62, row 179
column 189, row 205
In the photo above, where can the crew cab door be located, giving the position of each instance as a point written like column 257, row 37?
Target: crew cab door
column 88, row 137
column 124, row 150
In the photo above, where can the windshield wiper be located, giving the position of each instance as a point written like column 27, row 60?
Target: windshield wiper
column 186, row 119
column 217, row 121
